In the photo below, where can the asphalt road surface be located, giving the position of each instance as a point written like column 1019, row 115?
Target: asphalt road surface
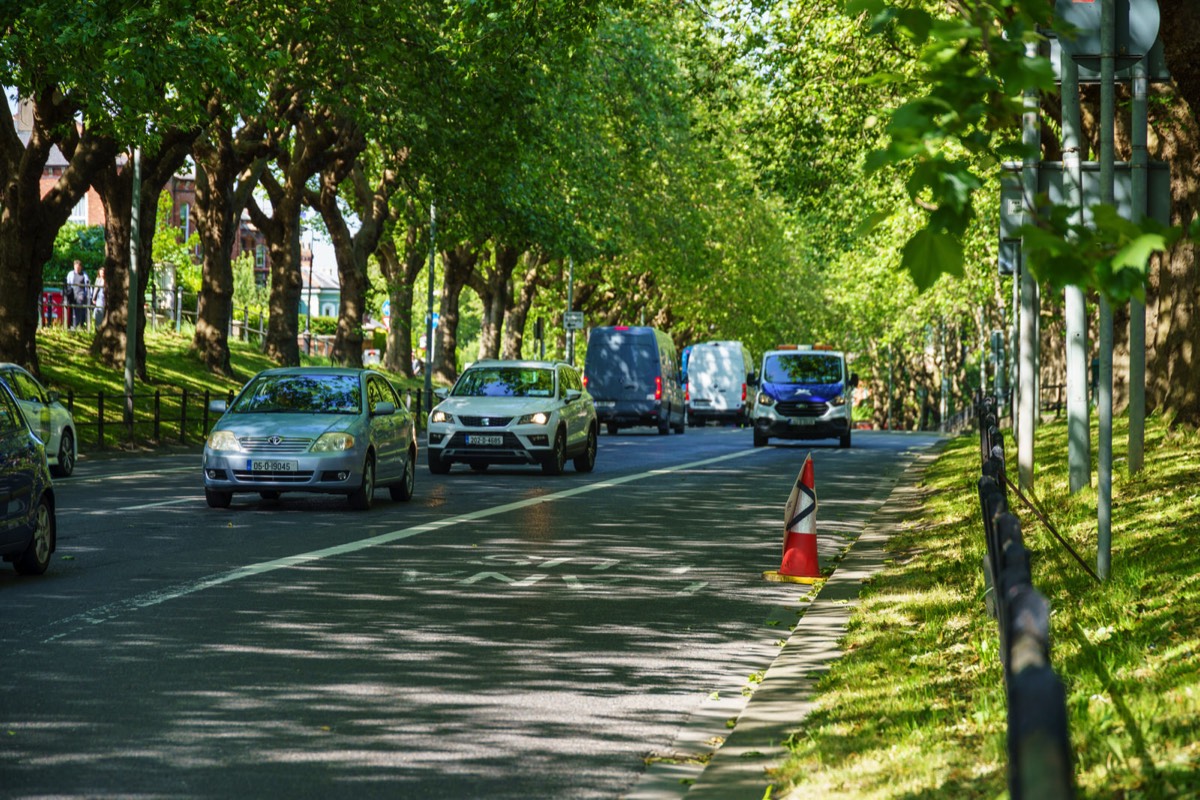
column 502, row 635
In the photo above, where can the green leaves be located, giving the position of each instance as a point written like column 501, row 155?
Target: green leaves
column 929, row 254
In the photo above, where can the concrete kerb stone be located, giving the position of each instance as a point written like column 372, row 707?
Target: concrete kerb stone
column 786, row 695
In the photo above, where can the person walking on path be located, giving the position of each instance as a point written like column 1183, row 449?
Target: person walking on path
column 78, row 295
column 98, row 297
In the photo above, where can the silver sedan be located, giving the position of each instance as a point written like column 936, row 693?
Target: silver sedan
column 48, row 417
column 312, row 429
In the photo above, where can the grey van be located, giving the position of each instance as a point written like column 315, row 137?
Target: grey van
column 632, row 374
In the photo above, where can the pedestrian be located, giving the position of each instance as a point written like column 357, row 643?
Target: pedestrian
column 78, row 295
column 98, row 297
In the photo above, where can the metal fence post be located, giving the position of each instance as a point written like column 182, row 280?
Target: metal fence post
column 157, row 413
column 183, row 417
column 100, row 420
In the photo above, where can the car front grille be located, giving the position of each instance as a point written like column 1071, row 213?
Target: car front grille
column 485, row 422
column 275, row 444
column 802, row 408
column 272, row 477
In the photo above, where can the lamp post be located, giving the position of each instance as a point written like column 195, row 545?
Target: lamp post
column 429, row 315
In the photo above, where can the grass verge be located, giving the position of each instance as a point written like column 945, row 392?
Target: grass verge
column 68, row 367
column 916, row 706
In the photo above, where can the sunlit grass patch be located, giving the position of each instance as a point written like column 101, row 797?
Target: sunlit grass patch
column 917, row 706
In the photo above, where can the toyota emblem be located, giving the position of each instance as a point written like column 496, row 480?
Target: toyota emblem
column 276, row 440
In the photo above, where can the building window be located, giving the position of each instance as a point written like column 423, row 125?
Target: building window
column 79, row 214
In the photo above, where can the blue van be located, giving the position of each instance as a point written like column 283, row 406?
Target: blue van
column 633, row 376
column 804, row 392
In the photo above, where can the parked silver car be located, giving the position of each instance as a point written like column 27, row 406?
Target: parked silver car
column 49, row 418
column 312, row 429
column 27, row 522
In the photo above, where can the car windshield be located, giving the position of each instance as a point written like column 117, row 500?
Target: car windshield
column 301, row 394
column 505, row 382
column 802, row 368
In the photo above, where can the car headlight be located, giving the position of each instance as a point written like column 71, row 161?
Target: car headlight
column 765, row 399
column 224, row 440
column 440, row 416
column 333, row 443
column 840, row 400
column 536, row 418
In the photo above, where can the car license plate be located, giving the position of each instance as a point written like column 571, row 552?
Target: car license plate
column 698, row 402
column 803, row 421
column 489, row 441
column 257, row 465
column 605, row 403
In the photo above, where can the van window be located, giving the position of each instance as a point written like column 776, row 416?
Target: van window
column 622, row 357
column 802, row 368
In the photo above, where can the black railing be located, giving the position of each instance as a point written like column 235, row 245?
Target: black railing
column 164, row 416
column 1039, row 744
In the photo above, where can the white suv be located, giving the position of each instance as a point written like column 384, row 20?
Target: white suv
column 514, row 412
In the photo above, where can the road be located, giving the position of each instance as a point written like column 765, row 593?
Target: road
column 502, row 635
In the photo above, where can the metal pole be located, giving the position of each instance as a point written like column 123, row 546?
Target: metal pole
column 429, row 316
column 571, row 307
column 1079, row 435
column 1137, row 307
column 131, row 299
column 1107, row 190
column 1028, row 403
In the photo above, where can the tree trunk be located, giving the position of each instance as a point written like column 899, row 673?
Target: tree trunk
column 457, row 265
column 30, row 221
column 401, row 281
column 493, row 289
column 227, row 170
column 516, row 316
column 114, row 184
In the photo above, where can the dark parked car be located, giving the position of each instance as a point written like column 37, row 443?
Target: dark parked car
column 27, row 527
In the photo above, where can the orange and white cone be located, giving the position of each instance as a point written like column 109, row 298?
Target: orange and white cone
column 799, row 563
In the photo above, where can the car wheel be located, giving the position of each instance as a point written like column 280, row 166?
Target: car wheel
column 586, row 461
column 360, row 500
column 404, row 489
column 479, row 467
column 66, row 455
column 269, row 495
column 556, row 460
column 437, row 464
column 36, row 557
column 664, row 427
column 844, row 441
column 217, row 499
column 760, row 439
column 682, row 426
column 611, row 429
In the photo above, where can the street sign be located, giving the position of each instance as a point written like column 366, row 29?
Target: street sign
column 1136, row 29
column 573, row 320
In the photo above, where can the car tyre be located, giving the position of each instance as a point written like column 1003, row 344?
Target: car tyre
column 556, row 459
column 437, row 464
column 760, row 439
column 66, row 455
column 611, row 429
column 586, row 461
column 36, row 557
column 844, row 441
column 361, row 499
column 217, row 499
column 480, row 467
column 664, row 427
column 404, row 489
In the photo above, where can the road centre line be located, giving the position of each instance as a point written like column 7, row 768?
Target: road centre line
column 113, row 610
column 160, row 503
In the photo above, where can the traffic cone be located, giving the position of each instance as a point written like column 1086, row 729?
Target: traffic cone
column 799, row 563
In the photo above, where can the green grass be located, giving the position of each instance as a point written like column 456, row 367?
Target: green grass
column 68, row 368
column 916, row 707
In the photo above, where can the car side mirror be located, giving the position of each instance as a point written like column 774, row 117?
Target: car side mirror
column 853, row 380
column 571, row 395
column 441, row 393
column 384, row 409
column 217, row 406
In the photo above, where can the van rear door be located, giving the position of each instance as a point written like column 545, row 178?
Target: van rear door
column 621, row 366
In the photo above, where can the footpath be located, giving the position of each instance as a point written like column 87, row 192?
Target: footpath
column 786, row 695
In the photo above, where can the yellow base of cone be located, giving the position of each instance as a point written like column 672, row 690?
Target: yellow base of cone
column 774, row 575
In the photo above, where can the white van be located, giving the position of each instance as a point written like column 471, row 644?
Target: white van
column 719, row 375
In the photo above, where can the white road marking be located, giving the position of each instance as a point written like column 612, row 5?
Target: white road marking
column 105, row 613
column 161, row 503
